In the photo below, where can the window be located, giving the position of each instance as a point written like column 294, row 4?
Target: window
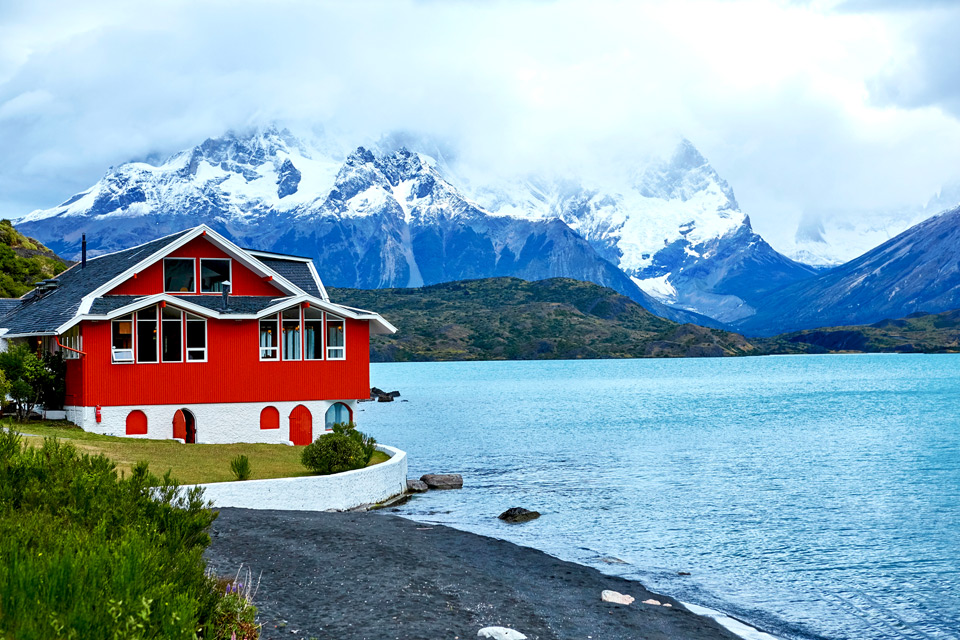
column 213, row 273
column 291, row 334
column 122, row 340
column 196, row 338
column 72, row 340
column 269, row 339
column 338, row 413
column 147, row 335
column 178, row 275
column 336, row 347
column 172, row 336
column 312, row 334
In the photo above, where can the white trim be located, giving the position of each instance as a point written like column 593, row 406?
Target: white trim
column 133, row 344
column 277, row 256
column 200, row 276
column 260, row 349
column 186, row 333
column 193, row 261
column 326, row 319
column 183, row 337
column 323, row 337
column 136, row 336
column 316, row 278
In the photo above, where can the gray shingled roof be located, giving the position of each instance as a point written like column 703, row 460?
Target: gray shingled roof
column 44, row 314
column 241, row 305
column 295, row 271
column 7, row 305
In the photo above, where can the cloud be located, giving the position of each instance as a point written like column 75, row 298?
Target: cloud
column 802, row 107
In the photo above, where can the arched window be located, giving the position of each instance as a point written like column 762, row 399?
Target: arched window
column 269, row 418
column 339, row 412
column 136, row 423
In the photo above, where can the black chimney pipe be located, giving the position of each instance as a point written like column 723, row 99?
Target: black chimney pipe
column 83, row 252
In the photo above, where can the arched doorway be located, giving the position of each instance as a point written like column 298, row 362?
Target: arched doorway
column 301, row 425
column 337, row 413
column 185, row 426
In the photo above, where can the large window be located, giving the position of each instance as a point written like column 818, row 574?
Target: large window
column 336, row 345
column 213, row 273
column 172, row 334
column 269, row 339
column 291, row 333
column 178, row 275
column 147, row 335
column 196, row 338
column 312, row 334
column 122, row 339
column 72, row 340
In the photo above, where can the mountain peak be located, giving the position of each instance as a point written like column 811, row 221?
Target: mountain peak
column 684, row 175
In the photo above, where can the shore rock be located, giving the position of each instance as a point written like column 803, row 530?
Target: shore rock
column 443, row 480
column 617, row 598
column 384, row 398
column 500, row 633
column 518, row 515
column 656, row 603
column 416, row 486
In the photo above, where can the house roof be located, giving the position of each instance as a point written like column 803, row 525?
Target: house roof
column 80, row 293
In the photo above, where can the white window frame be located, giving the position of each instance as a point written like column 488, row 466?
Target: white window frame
column 186, row 333
column 326, row 319
column 73, row 339
column 299, row 322
column 196, row 283
column 136, row 337
column 323, row 336
column 276, row 321
column 133, row 342
column 183, row 336
column 200, row 277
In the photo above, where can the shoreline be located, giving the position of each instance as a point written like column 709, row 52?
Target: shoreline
column 369, row 575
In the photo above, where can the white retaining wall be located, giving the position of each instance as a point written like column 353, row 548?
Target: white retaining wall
column 217, row 423
column 336, row 492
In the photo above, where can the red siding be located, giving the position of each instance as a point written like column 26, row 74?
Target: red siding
column 244, row 282
column 233, row 372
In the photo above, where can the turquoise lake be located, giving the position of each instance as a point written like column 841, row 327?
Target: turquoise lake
column 811, row 496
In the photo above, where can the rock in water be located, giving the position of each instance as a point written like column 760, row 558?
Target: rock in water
column 384, row 398
column 443, row 480
column 617, row 598
column 416, row 486
column 500, row 633
column 519, row 514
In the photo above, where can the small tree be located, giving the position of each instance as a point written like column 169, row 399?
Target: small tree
column 27, row 375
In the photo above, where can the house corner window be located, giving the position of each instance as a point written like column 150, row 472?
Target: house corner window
column 312, row 334
column 196, row 338
column 213, row 273
column 122, row 339
column 178, row 275
column 147, row 335
column 336, row 345
column 172, row 334
column 291, row 333
column 72, row 340
column 269, row 339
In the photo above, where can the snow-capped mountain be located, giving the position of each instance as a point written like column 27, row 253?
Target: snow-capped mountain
column 674, row 227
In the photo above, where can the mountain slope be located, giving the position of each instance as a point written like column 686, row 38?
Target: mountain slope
column 23, row 261
column 507, row 318
column 917, row 271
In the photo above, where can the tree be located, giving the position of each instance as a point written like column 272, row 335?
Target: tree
column 27, row 376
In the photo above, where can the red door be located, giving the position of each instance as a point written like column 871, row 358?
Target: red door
column 301, row 425
column 179, row 425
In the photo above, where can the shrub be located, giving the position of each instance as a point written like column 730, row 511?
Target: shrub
column 240, row 467
column 333, row 453
column 85, row 553
column 28, row 377
column 367, row 443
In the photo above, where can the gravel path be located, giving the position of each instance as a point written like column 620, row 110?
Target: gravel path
column 375, row 576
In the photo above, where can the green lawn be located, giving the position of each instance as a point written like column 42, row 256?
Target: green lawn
column 188, row 463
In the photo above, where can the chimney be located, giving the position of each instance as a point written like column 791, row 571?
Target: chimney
column 83, row 252
column 226, row 292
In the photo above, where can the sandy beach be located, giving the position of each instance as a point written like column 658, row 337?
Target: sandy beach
column 373, row 576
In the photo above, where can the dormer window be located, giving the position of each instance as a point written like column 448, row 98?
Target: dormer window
column 213, row 273
column 179, row 275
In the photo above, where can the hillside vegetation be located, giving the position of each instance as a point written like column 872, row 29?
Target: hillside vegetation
column 512, row 319
column 23, row 261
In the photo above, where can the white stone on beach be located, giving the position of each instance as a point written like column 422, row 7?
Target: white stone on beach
column 617, row 598
column 500, row 633
column 652, row 601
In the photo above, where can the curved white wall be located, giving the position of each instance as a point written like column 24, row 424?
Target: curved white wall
column 336, row 492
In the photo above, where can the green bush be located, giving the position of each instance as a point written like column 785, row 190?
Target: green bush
column 85, row 553
column 27, row 375
column 367, row 443
column 333, row 453
column 240, row 466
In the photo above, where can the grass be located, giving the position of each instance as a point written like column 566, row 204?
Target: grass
column 187, row 463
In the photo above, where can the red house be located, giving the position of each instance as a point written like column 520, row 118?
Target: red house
column 191, row 337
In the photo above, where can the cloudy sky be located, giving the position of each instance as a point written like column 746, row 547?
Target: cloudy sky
column 806, row 107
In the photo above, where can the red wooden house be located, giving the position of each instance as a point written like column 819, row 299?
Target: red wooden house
column 191, row 337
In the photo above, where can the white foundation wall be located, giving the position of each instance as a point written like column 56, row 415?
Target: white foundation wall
column 216, row 423
column 336, row 492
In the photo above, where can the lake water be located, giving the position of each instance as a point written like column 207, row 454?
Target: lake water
column 811, row 496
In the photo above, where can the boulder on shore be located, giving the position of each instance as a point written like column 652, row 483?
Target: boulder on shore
column 608, row 595
column 416, row 486
column 443, row 480
column 519, row 514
